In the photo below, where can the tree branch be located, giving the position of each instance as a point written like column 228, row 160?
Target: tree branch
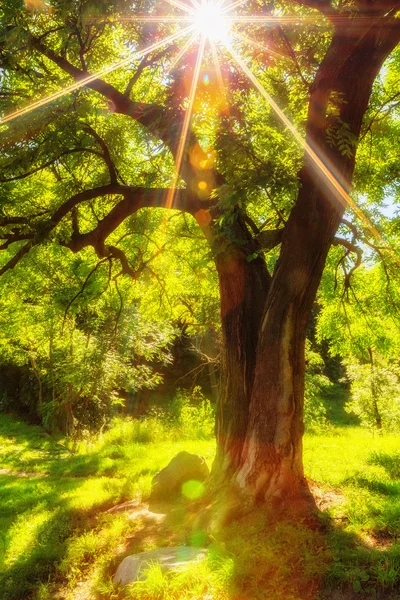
column 149, row 115
column 293, row 56
column 49, row 163
column 323, row 6
column 350, row 247
column 133, row 199
column 144, row 63
column 70, row 303
column 105, row 153
column 267, row 240
column 115, row 252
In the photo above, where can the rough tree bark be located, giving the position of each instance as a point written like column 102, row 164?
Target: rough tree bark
column 260, row 417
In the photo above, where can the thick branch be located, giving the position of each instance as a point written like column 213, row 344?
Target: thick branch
column 15, row 259
column 113, row 251
column 133, row 200
column 149, row 115
column 323, row 6
column 5, row 221
column 267, row 240
column 350, row 247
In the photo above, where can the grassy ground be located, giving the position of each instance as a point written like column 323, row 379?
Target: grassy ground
column 58, row 541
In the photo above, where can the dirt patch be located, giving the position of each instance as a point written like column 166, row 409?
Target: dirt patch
column 325, row 498
column 21, row 473
column 378, row 542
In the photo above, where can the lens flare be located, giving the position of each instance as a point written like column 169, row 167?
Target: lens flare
column 209, row 20
column 188, row 116
column 213, row 21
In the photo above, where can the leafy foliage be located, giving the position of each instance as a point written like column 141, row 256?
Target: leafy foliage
column 375, row 394
column 316, row 385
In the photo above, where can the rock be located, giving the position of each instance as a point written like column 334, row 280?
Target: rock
column 184, row 467
column 124, row 507
column 132, row 567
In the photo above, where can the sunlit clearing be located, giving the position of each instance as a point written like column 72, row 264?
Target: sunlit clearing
column 210, row 22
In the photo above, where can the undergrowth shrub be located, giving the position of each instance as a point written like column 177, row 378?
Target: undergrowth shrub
column 316, row 385
column 190, row 416
column 193, row 414
column 375, row 396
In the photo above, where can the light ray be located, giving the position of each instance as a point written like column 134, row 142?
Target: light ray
column 341, row 193
column 181, row 5
column 261, row 46
column 155, row 19
column 217, row 69
column 221, row 3
column 93, row 77
column 179, row 56
column 186, row 123
column 273, row 20
column 233, row 6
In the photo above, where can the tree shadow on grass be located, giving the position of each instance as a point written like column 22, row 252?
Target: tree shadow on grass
column 390, row 462
column 361, row 569
column 79, row 466
column 288, row 560
column 37, row 520
column 384, row 488
column 25, row 447
column 368, row 565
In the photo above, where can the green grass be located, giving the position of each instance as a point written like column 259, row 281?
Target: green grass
column 54, row 526
column 58, row 541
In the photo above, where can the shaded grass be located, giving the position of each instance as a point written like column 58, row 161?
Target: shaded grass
column 55, row 534
column 250, row 559
column 335, row 398
column 46, row 521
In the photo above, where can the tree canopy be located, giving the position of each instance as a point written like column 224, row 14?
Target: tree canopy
column 129, row 129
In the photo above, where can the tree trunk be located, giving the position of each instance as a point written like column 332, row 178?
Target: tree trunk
column 260, row 415
column 243, row 292
column 374, row 391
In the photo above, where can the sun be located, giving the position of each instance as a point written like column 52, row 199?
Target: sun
column 210, row 21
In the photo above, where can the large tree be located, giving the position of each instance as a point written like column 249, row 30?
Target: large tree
column 86, row 149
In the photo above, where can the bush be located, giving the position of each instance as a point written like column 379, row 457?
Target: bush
column 316, row 384
column 375, row 395
column 193, row 414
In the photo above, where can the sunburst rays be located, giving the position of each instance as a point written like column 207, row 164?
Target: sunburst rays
column 186, row 123
column 202, row 19
column 97, row 75
column 322, row 166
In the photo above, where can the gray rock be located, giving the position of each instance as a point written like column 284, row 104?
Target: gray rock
column 124, row 507
column 132, row 567
column 182, row 468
